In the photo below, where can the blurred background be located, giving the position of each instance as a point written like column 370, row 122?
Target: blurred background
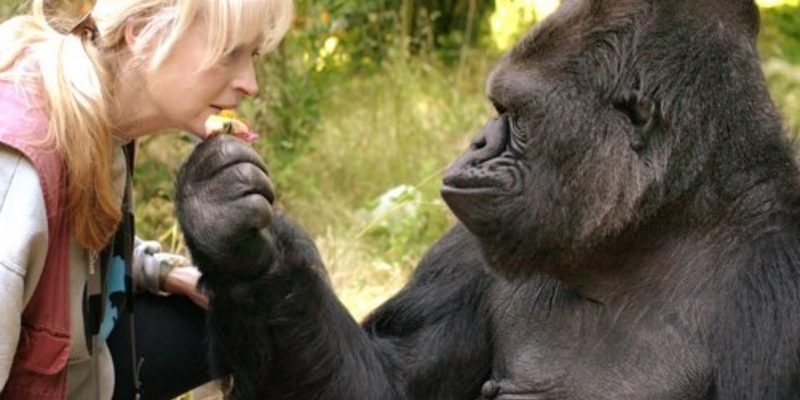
column 363, row 106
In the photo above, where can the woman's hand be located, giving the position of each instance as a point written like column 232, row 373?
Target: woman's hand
column 164, row 273
column 183, row 281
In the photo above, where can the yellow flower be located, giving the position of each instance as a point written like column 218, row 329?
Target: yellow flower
column 226, row 122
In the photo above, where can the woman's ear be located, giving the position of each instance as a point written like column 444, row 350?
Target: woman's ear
column 133, row 27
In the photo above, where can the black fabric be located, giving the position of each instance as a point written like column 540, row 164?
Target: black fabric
column 165, row 335
column 101, row 301
column 170, row 347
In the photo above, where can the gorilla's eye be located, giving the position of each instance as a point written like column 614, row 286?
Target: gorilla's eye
column 639, row 110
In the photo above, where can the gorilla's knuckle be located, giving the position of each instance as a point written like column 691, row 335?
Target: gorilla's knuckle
column 256, row 205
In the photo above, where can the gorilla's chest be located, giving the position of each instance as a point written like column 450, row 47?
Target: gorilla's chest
column 562, row 347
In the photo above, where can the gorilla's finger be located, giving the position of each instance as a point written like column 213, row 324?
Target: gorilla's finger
column 237, row 181
column 233, row 149
column 256, row 180
column 217, row 154
column 258, row 210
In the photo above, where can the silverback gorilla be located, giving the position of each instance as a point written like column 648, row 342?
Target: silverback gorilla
column 629, row 229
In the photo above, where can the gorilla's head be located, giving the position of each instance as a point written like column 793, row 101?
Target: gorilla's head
column 610, row 112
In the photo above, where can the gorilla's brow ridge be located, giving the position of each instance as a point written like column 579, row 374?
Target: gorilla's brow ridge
column 507, row 86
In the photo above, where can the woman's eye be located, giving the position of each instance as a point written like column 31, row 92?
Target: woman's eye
column 231, row 56
column 235, row 54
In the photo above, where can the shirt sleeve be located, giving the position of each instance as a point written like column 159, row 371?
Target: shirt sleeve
column 151, row 266
column 23, row 247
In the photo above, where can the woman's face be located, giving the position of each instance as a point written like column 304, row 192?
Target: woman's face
column 185, row 95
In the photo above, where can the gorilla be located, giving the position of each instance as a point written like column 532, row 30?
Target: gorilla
column 629, row 228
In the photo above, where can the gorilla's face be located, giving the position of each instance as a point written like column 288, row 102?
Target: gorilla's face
column 591, row 114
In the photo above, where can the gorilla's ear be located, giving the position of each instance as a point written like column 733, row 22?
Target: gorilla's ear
column 641, row 112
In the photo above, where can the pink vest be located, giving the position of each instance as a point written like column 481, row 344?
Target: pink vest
column 39, row 369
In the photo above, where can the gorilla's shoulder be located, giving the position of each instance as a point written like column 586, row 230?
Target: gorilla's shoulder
column 451, row 279
column 458, row 252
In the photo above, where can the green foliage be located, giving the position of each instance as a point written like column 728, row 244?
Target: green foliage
column 287, row 111
column 780, row 33
column 401, row 223
column 779, row 44
column 401, row 126
column 333, row 42
column 9, row 8
column 158, row 159
column 777, row 3
column 512, row 18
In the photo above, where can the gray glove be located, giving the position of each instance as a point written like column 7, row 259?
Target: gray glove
column 151, row 266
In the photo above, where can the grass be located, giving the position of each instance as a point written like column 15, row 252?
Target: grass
column 398, row 127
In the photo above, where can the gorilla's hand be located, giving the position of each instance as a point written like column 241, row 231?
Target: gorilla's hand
column 224, row 201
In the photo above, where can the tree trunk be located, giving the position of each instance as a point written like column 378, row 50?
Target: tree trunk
column 468, row 32
column 409, row 24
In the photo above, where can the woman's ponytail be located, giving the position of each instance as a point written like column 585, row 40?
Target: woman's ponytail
column 73, row 77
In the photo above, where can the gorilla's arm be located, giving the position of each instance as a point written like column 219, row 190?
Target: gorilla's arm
column 441, row 321
column 748, row 315
column 278, row 329
column 285, row 335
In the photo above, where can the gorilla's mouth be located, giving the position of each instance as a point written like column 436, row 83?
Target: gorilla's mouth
column 475, row 197
column 470, row 184
column 496, row 179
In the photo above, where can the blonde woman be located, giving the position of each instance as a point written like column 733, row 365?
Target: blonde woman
column 73, row 98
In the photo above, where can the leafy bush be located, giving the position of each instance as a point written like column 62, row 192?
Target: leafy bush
column 779, row 44
column 401, row 223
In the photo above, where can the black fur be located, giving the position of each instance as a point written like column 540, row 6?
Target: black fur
column 630, row 229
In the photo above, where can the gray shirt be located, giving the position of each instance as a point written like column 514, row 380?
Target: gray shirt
column 23, row 248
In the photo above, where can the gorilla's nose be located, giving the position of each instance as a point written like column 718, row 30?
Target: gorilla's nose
column 490, row 143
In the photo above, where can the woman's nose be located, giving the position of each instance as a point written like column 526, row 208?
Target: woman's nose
column 245, row 82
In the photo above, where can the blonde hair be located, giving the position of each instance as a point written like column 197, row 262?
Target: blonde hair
column 73, row 74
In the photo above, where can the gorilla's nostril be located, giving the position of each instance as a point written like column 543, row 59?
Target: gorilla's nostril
column 478, row 143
